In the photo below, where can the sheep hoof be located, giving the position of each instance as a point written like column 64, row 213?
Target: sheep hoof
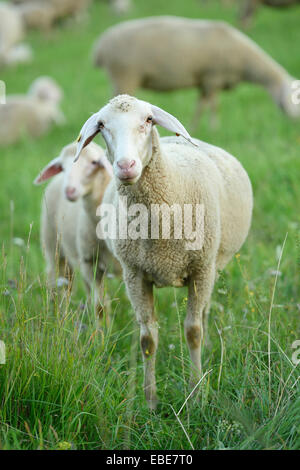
column 152, row 400
column 152, row 404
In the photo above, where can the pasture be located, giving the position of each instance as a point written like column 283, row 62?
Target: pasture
column 65, row 383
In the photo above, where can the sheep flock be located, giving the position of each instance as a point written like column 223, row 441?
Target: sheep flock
column 186, row 204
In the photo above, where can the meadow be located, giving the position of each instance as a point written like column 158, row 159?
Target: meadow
column 68, row 385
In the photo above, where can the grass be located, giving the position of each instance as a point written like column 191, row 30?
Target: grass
column 65, row 384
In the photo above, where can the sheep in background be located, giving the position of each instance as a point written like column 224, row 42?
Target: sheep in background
column 149, row 170
column 68, row 224
column 37, row 15
column 170, row 53
column 43, row 14
column 32, row 114
column 120, row 7
column 11, row 35
column 250, row 6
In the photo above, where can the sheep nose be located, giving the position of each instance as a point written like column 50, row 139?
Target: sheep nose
column 71, row 193
column 126, row 164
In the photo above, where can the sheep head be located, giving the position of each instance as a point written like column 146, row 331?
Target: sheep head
column 79, row 176
column 46, row 89
column 126, row 125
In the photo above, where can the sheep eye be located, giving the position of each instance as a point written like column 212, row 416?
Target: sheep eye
column 100, row 125
column 94, row 162
column 149, row 119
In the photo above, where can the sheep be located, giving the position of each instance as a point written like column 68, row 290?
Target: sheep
column 120, row 7
column 169, row 53
column 148, row 171
column 43, row 14
column 11, row 27
column 37, row 15
column 68, row 219
column 33, row 113
column 11, row 34
column 250, row 6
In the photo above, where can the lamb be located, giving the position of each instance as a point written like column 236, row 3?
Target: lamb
column 169, row 172
column 68, row 223
column 250, row 6
column 43, row 14
column 33, row 113
column 12, row 51
column 169, row 53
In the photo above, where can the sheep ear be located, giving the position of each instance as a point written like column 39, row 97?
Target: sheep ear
column 53, row 168
column 89, row 130
column 169, row 122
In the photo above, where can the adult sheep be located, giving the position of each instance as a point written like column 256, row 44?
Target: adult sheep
column 44, row 14
column 169, row 53
column 150, row 171
column 33, row 113
column 12, row 51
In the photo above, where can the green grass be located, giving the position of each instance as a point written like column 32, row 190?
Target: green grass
column 65, row 386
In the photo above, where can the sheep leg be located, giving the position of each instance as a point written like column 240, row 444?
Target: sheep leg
column 56, row 264
column 204, row 102
column 50, row 247
column 199, row 293
column 51, row 271
column 213, row 104
column 94, row 283
column 140, row 293
column 200, row 106
column 123, row 83
column 248, row 9
column 207, row 341
column 65, row 270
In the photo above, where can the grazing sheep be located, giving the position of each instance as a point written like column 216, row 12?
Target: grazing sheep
column 33, row 113
column 68, row 225
column 250, row 6
column 11, row 34
column 43, row 14
column 169, row 171
column 169, row 53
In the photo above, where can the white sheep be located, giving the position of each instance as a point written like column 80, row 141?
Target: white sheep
column 43, row 14
column 33, row 113
column 169, row 171
column 12, row 51
column 169, row 53
column 68, row 221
